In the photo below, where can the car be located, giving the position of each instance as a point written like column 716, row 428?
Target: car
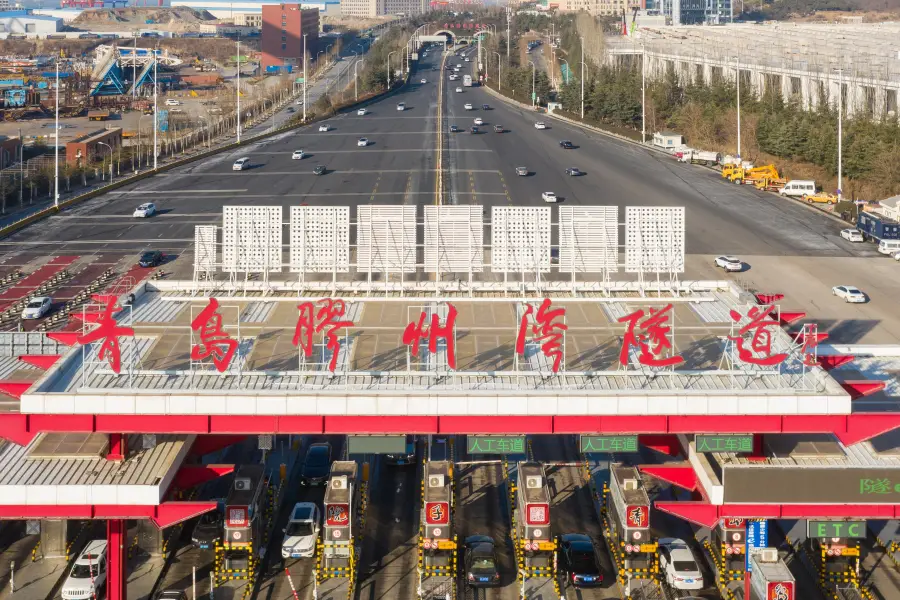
column 454, row 129
column 37, row 307
column 401, row 106
column 549, row 197
column 498, row 129
column 467, row 60
column 87, row 577
column 459, row 90
column 362, row 142
column 566, row 144
column 171, row 595
column 406, row 458
column 574, row 172
column 540, row 125
column 423, row 80
column 474, row 129
column 848, row 293
column 324, row 127
column 319, row 170
column 458, row 65
column 852, row 235
column 147, row 209
column 176, row 110
column 361, row 112
column 297, row 155
column 468, row 106
column 577, row 561
column 316, row 465
column 480, row 561
column 299, row 102
column 521, row 171
column 172, row 102
column 207, row 531
column 679, row 565
column 241, row 164
column 301, row 531
column 485, row 107
column 479, row 121
column 291, row 110
column 896, row 255
column 150, row 258
column 729, row 263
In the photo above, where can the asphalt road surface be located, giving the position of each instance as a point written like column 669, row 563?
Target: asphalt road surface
column 786, row 246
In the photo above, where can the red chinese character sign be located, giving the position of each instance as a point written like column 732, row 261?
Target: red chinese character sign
column 326, row 317
column 417, row 331
column 547, row 328
column 649, row 333
column 108, row 330
column 759, row 330
column 214, row 342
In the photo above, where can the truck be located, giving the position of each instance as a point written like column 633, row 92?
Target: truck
column 467, row 80
column 700, row 157
column 751, row 176
column 877, row 227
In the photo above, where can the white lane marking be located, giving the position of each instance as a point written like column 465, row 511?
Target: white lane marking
column 314, row 195
column 185, row 191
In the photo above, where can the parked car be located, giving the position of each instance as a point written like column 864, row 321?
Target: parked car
column 316, row 465
column 150, row 258
column 301, row 531
column 147, row 209
column 679, row 565
column 480, row 561
column 577, row 561
column 852, row 235
column 37, row 307
column 87, row 578
column 729, row 263
column 849, row 294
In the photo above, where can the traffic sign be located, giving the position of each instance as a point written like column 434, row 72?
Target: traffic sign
column 299, row 80
column 757, row 537
column 533, row 95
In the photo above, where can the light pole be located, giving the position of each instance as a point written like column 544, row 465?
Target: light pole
column 238, row 92
column 498, row 71
column 533, row 75
column 840, row 131
column 110, row 160
column 582, row 78
column 737, row 78
column 56, row 146
column 508, row 20
column 389, row 69
column 305, row 61
column 206, row 120
column 156, row 109
column 643, row 94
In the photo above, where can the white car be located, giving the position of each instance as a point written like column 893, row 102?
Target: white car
column 297, row 155
column 422, row 81
column 678, row 564
column 401, row 106
column 852, row 235
column 361, row 112
column 479, row 121
column 324, row 128
column 301, row 531
column 459, row 90
column 729, row 263
column 362, row 142
column 88, row 575
column 299, row 102
column 172, row 102
column 540, row 125
column 467, row 60
column 469, row 107
column 147, row 209
column 549, row 197
column 37, row 307
column 848, row 293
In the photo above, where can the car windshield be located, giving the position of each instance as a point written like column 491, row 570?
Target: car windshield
column 684, row 566
column 210, row 518
column 299, row 528
column 483, row 564
column 35, row 304
column 85, row 571
column 148, row 255
column 583, row 562
column 317, row 457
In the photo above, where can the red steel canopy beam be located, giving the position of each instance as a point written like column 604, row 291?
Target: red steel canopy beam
column 790, row 317
column 15, row 388
column 681, row 474
column 707, row 515
column 163, row 515
column 832, row 362
column 41, row 361
column 189, row 476
column 69, row 338
column 769, row 298
column 860, row 388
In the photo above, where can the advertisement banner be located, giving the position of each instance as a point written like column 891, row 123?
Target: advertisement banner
column 537, row 514
column 637, row 516
column 237, row 516
column 337, row 515
column 437, row 513
column 780, row 590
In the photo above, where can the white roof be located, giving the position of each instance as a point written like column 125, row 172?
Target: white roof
column 95, row 548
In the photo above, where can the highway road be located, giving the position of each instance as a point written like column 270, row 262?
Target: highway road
column 788, row 247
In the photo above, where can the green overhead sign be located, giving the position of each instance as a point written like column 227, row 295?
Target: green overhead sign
column 836, row 529
column 495, row 444
column 723, row 443
column 609, row 443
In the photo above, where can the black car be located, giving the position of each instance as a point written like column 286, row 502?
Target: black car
column 577, row 561
column 566, row 144
column 316, row 465
column 474, row 129
column 319, row 170
column 573, row 171
column 406, row 458
column 480, row 561
column 454, row 129
column 171, row 595
column 150, row 258
column 498, row 128
column 208, row 530
column 485, row 107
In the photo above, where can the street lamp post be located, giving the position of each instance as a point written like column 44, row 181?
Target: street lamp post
column 305, row 62
column 498, row 72
column 840, row 132
column 643, row 94
column 110, row 160
column 389, row 69
column 356, row 78
column 238, row 92
column 533, row 82
column 56, row 145
column 737, row 77
column 582, row 78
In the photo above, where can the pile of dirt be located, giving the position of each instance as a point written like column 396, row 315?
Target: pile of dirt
column 179, row 19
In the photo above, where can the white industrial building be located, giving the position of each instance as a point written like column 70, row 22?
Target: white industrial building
column 234, row 11
column 66, row 14
column 23, row 21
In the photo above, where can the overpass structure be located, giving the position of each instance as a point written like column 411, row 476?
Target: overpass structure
column 124, row 70
column 804, row 63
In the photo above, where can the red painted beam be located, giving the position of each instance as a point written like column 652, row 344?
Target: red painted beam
column 390, row 425
column 14, row 427
column 725, row 424
column 769, row 298
column 207, row 444
column 682, row 474
column 791, row 317
column 862, row 427
column 41, row 361
column 832, row 362
column 265, row 424
column 189, row 476
column 665, row 443
column 198, row 424
column 609, row 424
column 170, row 513
column 116, row 532
column 860, row 388
column 164, row 515
column 701, row 513
column 707, row 515
column 494, row 424
column 69, row 338
column 15, row 388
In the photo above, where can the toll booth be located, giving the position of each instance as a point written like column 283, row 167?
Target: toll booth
column 770, row 578
column 835, row 553
column 243, row 524
column 727, row 547
column 437, row 541
column 627, row 527
column 534, row 545
column 337, row 555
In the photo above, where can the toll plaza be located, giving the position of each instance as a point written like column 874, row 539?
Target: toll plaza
column 437, row 564
column 533, row 538
column 336, row 562
column 627, row 527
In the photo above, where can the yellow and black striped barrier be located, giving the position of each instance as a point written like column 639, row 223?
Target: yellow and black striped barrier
column 34, row 551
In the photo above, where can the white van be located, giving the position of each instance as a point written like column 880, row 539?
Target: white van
column 798, row 188
column 241, row 164
column 87, row 578
column 889, row 246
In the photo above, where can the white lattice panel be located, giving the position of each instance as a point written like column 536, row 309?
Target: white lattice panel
column 385, row 238
column 454, row 239
column 589, row 239
column 251, row 239
column 205, row 248
column 320, row 239
column 520, row 239
column 654, row 239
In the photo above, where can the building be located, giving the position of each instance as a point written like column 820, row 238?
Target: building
column 229, row 11
column 4, row 5
column 9, row 150
column 362, row 9
column 284, row 27
column 66, row 14
column 229, row 29
column 248, row 19
column 405, row 7
column 88, row 148
column 23, row 21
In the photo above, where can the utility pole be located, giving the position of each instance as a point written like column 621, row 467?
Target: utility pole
column 239, row 91
column 643, row 94
column 582, row 78
column 305, row 60
column 155, row 109
column 508, row 20
column 56, row 145
column 840, row 132
column 738, row 79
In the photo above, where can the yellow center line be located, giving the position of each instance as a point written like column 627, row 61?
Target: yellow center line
column 438, row 184
column 375, row 189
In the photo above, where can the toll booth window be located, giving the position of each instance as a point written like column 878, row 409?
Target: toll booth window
column 684, row 566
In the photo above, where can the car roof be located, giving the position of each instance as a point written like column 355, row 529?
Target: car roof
column 95, row 548
column 303, row 511
column 478, row 539
column 40, row 298
column 851, row 288
column 575, row 537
